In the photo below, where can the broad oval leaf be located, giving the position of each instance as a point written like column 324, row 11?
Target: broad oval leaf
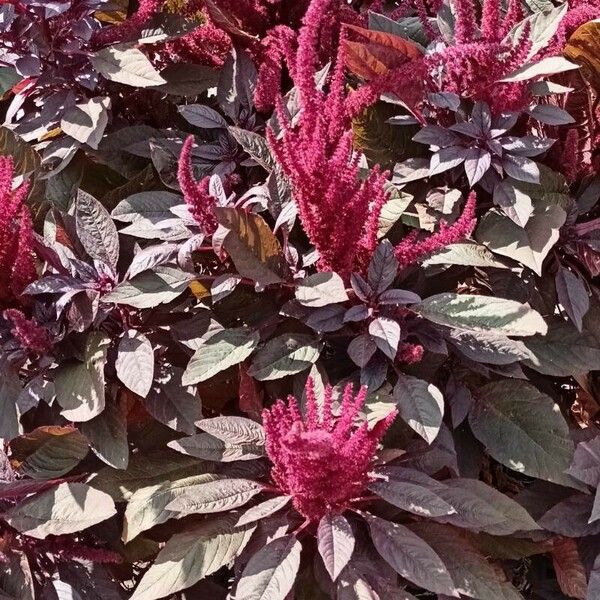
column 158, row 286
column 192, row 555
column 410, row 556
column 321, row 289
column 482, row 508
column 208, row 447
column 523, row 429
column 271, row 572
column 68, row 508
column 482, row 313
column 411, row 490
column 253, row 247
column 49, row 452
column 147, row 506
column 335, row 541
column 234, row 430
column 473, row 575
column 80, row 387
column 383, row 267
column 386, row 335
column 263, row 510
column 529, row 244
column 96, row 230
column 563, row 351
column 420, row 404
column 126, row 65
column 223, row 350
column 284, row 355
column 215, row 496
column 135, row 362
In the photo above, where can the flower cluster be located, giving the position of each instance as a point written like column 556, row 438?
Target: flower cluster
column 410, row 250
column 196, row 193
column 480, row 56
column 17, row 265
column 339, row 210
column 30, row 335
column 322, row 460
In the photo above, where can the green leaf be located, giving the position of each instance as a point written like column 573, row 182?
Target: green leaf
column 335, row 541
column 480, row 507
column 185, row 79
column 254, row 249
column 135, row 362
column 551, row 65
column 221, row 351
column 420, row 404
column 8, row 78
column 174, row 404
column 410, row 556
column 215, row 496
column 572, row 295
column 271, row 572
column 87, row 121
column 255, row 145
column 321, row 289
column 10, row 388
column 146, row 470
column 150, row 288
column 68, row 508
column 563, row 351
column 528, row 245
column 152, row 206
column 234, row 430
column 80, row 387
column 488, row 346
column 472, row 574
column 190, row 556
column 393, row 209
column 284, row 355
column 543, row 25
column 208, row 447
column 147, row 506
column 523, row 429
column 482, row 313
column 49, row 452
column 107, row 434
column 96, row 230
column 412, row 491
column 127, row 65
column 465, row 254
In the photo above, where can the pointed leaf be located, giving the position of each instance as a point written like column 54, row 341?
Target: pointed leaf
column 192, row 555
column 321, row 289
column 421, row 405
column 523, row 429
column 271, row 572
column 335, row 540
column 410, row 556
column 68, row 508
column 220, row 352
column 135, row 362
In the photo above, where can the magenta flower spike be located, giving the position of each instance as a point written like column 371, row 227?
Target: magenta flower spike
column 321, row 459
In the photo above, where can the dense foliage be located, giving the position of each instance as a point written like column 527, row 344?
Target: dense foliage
column 299, row 299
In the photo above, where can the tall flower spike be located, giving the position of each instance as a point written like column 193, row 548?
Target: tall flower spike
column 30, row 335
column 337, row 213
column 323, row 461
column 410, row 250
column 17, row 265
column 196, row 193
